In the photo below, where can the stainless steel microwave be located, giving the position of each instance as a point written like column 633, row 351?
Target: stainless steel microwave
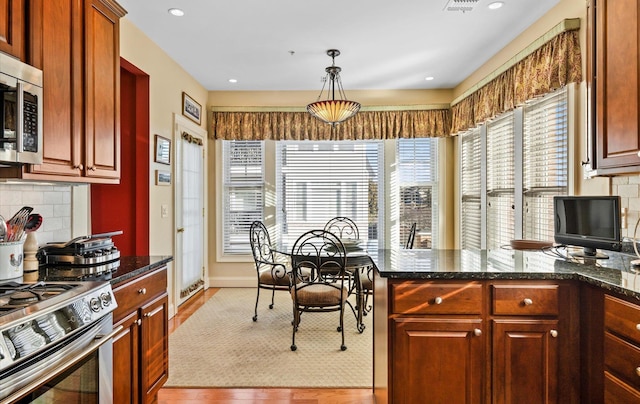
column 20, row 112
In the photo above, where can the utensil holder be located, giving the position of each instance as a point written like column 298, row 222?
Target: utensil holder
column 11, row 260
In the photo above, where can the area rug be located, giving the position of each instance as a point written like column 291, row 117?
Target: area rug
column 220, row 346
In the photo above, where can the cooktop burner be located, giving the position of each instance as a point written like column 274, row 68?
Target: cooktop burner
column 16, row 296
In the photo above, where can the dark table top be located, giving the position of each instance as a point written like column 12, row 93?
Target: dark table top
column 614, row 274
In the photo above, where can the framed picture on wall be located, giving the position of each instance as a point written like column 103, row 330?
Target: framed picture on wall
column 163, row 177
column 163, row 150
column 191, row 109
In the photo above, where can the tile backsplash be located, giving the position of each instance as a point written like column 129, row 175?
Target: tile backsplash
column 53, row 202
column 628, row 188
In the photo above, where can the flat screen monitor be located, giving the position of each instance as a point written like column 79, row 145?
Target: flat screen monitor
column 590, row 222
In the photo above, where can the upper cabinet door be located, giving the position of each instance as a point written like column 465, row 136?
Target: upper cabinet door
column 12, row 33
column 613, row 80
column 102, row 92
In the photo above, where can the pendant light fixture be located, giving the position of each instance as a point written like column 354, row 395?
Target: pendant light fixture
column 332, row 110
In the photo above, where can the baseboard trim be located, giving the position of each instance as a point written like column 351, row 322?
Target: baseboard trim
column 232, row 282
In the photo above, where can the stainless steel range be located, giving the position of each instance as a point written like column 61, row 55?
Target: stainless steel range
column 55, row 341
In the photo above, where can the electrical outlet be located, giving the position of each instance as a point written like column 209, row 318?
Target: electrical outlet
column 164, row 211
column 623, row 218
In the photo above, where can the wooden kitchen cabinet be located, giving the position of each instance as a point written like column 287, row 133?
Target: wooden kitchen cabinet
column 621, row 350
column 76, row 43
column 438, row 343
column 613, row 79
column 482, row 341
column 141, row 350
column 12, row 28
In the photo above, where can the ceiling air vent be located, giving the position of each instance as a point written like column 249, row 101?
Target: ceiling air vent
column 460, row 5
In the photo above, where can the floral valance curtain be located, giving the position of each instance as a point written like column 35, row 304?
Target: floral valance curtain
column 553, row 65
column 365, row 125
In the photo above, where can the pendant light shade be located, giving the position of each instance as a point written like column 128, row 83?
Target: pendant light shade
column 332, row 110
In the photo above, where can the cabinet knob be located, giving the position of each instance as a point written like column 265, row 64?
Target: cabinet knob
column 139, row 322
column 554, row 333
column 78, row 167
column 437, row 300
column 142, row 291
column 147, row 314
column 638, row 327
column 638, row 371
column 527, row 302
column 92, row 168
column 477, row 332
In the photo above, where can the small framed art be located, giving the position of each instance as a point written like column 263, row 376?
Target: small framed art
column 191, row 109
column 163, row 177
column 163, row 150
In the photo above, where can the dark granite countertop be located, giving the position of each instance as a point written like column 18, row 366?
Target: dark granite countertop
column 133, row 266
column 613, row 274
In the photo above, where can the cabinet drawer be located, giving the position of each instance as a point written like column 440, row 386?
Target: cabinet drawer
column 437, row 298
column 622, row 318
column 525, row 300
column 622, row 358
column 617, row 391
column 135, row 293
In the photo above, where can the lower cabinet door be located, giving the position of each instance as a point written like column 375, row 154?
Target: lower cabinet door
column 126, row 360
column 154, row 347
column 525, row 361
column 437, row 360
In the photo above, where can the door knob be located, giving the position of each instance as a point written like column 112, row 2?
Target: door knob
column 180, row 229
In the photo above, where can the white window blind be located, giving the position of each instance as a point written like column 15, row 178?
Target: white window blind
column 417, row 179
column 243, row 169
column 545, row 162
column 319, row 180
column 500, row 181
column 471, row 186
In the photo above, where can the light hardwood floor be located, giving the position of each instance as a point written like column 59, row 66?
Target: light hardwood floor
column 248, row 395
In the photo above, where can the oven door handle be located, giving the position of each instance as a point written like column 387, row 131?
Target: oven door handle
column 98, row 341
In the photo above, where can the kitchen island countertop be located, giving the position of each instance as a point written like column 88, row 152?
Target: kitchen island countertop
column 614, row 274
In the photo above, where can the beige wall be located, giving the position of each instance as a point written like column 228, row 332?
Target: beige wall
column 167, row 81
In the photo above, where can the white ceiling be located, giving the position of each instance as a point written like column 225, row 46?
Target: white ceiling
column 385, row 44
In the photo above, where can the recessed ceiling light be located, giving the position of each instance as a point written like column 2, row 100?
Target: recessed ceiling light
column 233, row 81
column 429, row 78
column 176, row 11
column 495, row 5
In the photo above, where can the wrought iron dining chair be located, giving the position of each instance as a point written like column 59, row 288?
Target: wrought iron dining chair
column 272, row 268
column 343, row 227
column 317, row 281
column 412, row 235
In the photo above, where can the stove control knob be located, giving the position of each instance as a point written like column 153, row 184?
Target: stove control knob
column 106, row 299
column 95, row 305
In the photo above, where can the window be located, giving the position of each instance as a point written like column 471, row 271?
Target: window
column 526, row 165
column 500, row 181
column 417, row 164
column 319, row 180
column 471, row 190
column 243, row 167
column 545, row 162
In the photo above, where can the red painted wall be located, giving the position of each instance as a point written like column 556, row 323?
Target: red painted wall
column 126, row 206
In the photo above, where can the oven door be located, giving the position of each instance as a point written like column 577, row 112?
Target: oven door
column 78, row 369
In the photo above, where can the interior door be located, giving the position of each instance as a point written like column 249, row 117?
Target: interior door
column 190, row 214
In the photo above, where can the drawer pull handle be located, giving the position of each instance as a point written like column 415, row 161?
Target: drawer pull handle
column 142, row 291
column 638, row 371
column 437, row 300
column 527, row 302
column 477, row 332
column 554, row 333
